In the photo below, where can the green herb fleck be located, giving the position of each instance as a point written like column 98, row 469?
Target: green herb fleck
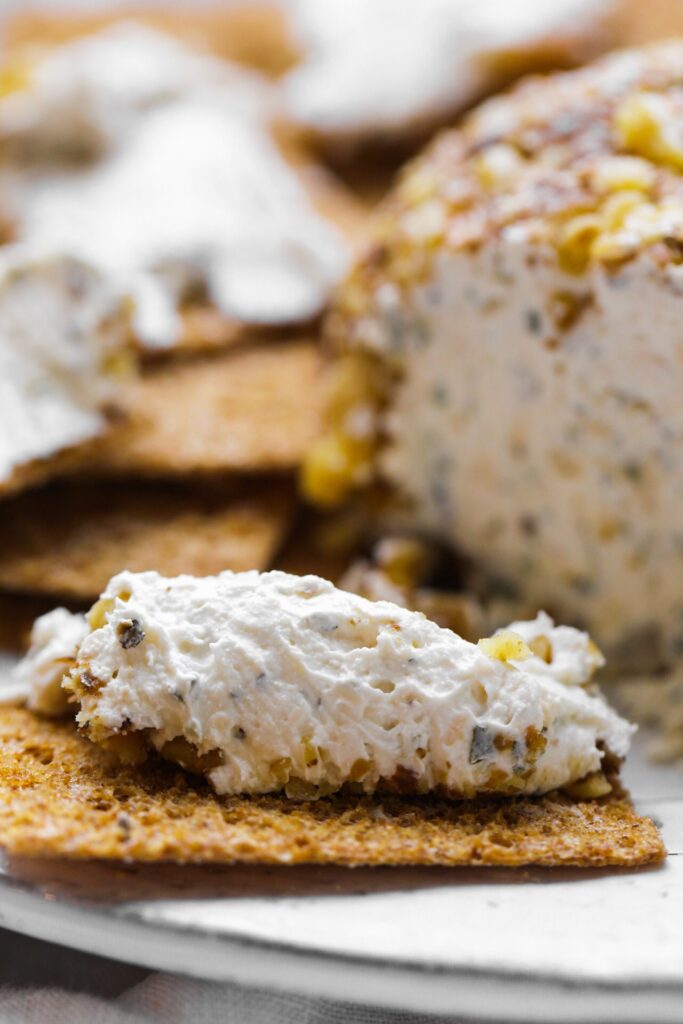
column 481, row 747
column 633, row 471
column 131, row 633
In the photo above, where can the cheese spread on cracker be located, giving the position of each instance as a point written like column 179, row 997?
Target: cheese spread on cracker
column 268, row 682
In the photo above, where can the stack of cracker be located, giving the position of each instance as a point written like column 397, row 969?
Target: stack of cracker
column 194, row 470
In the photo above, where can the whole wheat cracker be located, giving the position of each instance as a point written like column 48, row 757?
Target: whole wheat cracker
column 255, row 34
column 60, row 796
column 39, row 471
column 18, row 612
column 69, row 539
column 253, row 409
column 204, row 327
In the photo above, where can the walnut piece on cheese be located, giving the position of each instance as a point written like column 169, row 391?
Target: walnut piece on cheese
column 516, row 324
column 268, row 682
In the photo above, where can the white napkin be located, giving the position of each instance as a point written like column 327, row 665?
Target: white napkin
column 41, row 983
column 173, row 1000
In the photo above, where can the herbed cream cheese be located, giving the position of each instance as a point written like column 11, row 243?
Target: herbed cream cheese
column 425, row 60
column 189, row 198
column 196, row 200
column 522, row 298
column 554, row 463
column 271, row 681
column 55, row 639
column 63, row 335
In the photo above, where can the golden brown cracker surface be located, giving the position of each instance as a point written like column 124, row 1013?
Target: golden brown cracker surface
column 256, row 408
column 255, row 34
column 60, row 796
column 69, row 539
column 39, row 471
column 18, row 612
column 346, row 210
column 204, row 327
column 644, row 22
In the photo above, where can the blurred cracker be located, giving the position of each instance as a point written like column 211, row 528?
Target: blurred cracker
column 39, row 471
column 255, row 34
column 17, row 615
column 69, row 539
column 347, row 210
column 205, row 327
column 60, row 796
column 641, row 22
column 257, row 408
column 325, row 544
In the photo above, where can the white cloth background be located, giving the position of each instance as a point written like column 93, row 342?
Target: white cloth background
column 45, row 984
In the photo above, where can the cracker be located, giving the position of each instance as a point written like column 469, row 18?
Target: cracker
column 60, row 796
column 69, row 540
column 204, row 327
column 254, row 409
column 39, row 471
column 255, row 34
column 18, row 612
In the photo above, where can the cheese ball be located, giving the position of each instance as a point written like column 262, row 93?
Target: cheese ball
column 509, row 351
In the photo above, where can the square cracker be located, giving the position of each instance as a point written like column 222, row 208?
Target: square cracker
column 205, row 328
column 253, row 33
column 60, row 796
column 69, row 539
column 253, row 409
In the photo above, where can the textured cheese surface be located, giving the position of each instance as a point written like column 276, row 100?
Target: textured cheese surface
column 425, row 60
column 53, row 382
column 84, row 95
column 276, row 681
column 55, row 639
column 178, row 188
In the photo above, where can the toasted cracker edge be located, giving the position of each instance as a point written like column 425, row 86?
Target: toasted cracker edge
column 60, row 796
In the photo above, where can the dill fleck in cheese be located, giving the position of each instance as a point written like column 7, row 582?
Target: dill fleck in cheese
column 518, row 311
column 269, row 682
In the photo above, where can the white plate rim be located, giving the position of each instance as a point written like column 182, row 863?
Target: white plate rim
column 405, row 985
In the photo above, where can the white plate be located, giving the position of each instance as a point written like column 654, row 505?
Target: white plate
column 525, row 945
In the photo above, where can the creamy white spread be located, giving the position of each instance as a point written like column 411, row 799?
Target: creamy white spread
column 191, row 199
column 525, row 300
column 37, row 679
column 425, row 60
column 62, row 329
column 84, row 96
column 285, row 681
column 556, row 466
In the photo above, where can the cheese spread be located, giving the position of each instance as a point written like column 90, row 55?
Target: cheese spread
column 37, row 679
column 63, row 336
column 83, row 97
column 271, row 681
column 522, row 297
column 425, row 60
column 190, row 197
